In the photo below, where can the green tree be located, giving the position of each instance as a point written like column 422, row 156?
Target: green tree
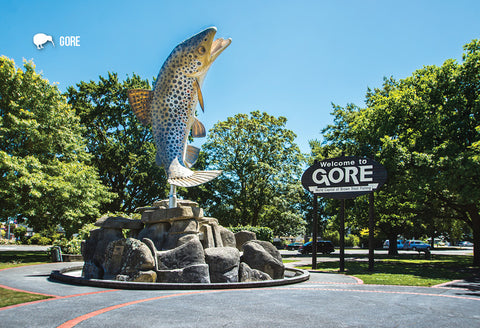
column 261, row 167
column 351, row 134
column 425, row 129
column 44, row 169
column 433, row 117
column 122, row 148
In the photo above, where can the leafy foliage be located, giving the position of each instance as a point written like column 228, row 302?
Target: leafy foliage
column 425, row 129
column 39, row 239
column 44, row 169
column 20, row 232
column 261, row 168
column 122, row 149
column 262, row 233
column 69, row 246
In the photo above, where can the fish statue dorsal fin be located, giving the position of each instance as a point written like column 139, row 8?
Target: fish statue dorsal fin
column 140, row 100
column 191, row 155
column 198, row 129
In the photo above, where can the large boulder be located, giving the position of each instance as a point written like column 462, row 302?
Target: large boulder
column 263, row 256
column 223, row 263
column 179, row 229
column 197, row 273
column 228, row 237
column 118, row 222
column 94, row 251
column 127, row 257
column 156, row 232
column 242, row 237
column 188, row 254
column 141, row 276
column 247, row 274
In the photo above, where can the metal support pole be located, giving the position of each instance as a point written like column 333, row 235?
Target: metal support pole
column 314, row 239
column 342, row 235
column 371, row 232
column 172, row 198
column 8, row 229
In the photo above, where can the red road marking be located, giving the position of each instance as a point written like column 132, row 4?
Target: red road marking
column 445, row 284
column 26, row 291
column 54, row 297
column 77, row 320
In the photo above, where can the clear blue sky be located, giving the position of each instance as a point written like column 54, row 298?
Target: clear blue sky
column 288, row 58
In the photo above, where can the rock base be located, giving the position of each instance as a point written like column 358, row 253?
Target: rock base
column 177, row 245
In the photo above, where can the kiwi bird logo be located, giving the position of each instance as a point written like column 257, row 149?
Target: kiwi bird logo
column 170, row 107
column 40, row 39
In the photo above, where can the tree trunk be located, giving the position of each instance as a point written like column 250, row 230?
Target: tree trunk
column 475, row 217
column 392, row 248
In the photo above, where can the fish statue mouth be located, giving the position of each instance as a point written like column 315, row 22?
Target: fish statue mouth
column 215, row 46
column 218, row 46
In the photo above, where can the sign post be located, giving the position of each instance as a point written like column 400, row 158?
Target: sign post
column 342, row 178
column 371, row 232
column 315, row 232
column 342, row 235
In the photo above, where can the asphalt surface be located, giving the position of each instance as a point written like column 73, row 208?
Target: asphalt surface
column 326, row 300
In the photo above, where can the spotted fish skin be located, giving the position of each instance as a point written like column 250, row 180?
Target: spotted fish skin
column 170, row 107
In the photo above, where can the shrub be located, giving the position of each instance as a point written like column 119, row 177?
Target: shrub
column 72, row 246
column 4, row 241
column 84, row 231
column 352, row 240
column 20, row 233
column 38, row 239
column 263, row 233
column 334, row 237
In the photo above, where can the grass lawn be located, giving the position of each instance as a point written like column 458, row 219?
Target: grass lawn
column 407, row 270
column 11, row 297
column 11, row 259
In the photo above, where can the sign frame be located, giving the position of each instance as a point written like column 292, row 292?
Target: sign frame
column 344, row 177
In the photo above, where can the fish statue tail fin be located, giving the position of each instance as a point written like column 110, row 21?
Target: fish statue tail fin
column 181, row 176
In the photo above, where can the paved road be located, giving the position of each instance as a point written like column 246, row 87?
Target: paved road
column 361, row 251
column 24, row 248
column 348, row 251
column 326, row 300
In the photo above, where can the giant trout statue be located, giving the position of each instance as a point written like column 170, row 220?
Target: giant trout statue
column 170, row 107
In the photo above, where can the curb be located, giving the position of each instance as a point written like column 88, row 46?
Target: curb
column 62, row 276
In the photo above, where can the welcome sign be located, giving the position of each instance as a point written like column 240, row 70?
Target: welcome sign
column 344, row 177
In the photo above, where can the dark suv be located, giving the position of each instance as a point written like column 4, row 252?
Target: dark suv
column 323, row 246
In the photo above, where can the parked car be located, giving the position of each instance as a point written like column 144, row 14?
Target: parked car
column 416, row 245
column 323, row 246
column 295, row 245
column 465, row 244
column 386, row 244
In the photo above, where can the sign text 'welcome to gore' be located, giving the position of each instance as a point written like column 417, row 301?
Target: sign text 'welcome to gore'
column 344, row 177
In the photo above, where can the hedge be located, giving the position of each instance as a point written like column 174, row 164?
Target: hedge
column 263, row 233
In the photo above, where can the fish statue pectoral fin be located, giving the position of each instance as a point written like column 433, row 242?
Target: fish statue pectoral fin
column 191, row 155
column 198, row 129
column 140, row 100
column 199, row 94
column 198, row 178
